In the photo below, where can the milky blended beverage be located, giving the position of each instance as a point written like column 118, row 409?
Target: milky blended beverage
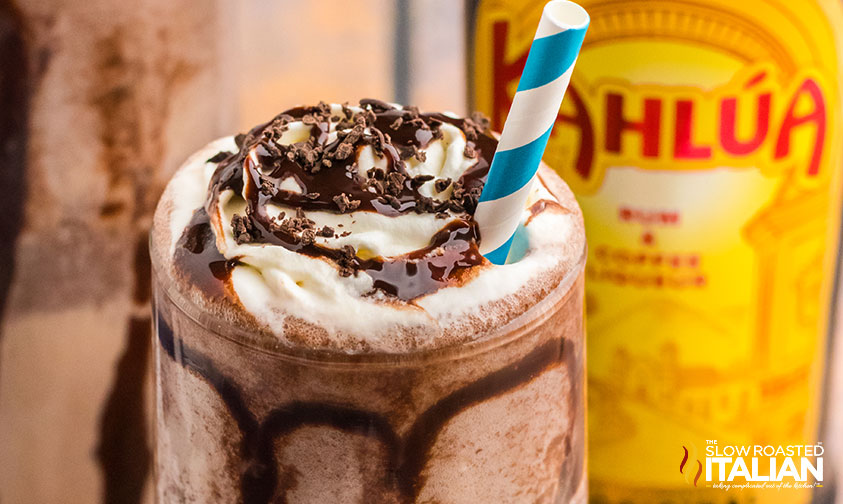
column 327, row 331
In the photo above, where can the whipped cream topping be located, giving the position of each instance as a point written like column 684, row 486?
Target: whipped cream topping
column 381, row 190
column 357, row 223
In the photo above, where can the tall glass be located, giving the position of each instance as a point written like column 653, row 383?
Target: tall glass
column 499, row 420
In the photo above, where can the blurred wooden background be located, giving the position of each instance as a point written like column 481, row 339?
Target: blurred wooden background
column 124, row 91
column 291, row 52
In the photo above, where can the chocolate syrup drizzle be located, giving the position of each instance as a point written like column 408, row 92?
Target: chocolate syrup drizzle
column 197, row 256
column 331, row 180
column 407, row 455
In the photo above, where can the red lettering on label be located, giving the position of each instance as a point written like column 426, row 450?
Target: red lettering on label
column 581, row 120
column 816, row 118
column 504, row 74
column 683, row 144
column 729, row 125
column 592, row 115
column 649, row 217
column 649, row 127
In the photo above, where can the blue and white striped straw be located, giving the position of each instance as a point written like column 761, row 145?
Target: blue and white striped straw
column 526, row 131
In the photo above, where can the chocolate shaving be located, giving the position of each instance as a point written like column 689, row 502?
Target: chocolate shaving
column 425, row 205
column 441, row 184
column 219, row 156
column 374, row 186
column 324, row 109
column 308, row 237
column 405, row 152
column 346, row 261
column 267, row 188
column 344, row 150
column 244, row 230
column 480, row 120
column 376, row 173
column 465, row 199
column 380, row 141
column 420, row 180
column 345, row 204
column 369, row 117
column 391, row 201
column 375, row 105
column 395, row 183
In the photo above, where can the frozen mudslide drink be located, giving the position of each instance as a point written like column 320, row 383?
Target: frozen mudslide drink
column 328, row 332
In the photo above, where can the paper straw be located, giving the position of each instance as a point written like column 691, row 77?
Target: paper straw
column 540, row 91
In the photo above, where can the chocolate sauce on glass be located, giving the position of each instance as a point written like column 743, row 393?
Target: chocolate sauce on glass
column 326, row 171
column 407, row 454
column 197, row 256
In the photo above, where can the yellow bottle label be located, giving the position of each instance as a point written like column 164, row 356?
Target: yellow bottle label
column 703, row 142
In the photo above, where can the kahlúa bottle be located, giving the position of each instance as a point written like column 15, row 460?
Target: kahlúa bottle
column 702, row 139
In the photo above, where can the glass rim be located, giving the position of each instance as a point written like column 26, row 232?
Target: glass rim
column 261, row 341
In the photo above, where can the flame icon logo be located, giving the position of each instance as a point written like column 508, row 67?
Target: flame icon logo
column 685, row 462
